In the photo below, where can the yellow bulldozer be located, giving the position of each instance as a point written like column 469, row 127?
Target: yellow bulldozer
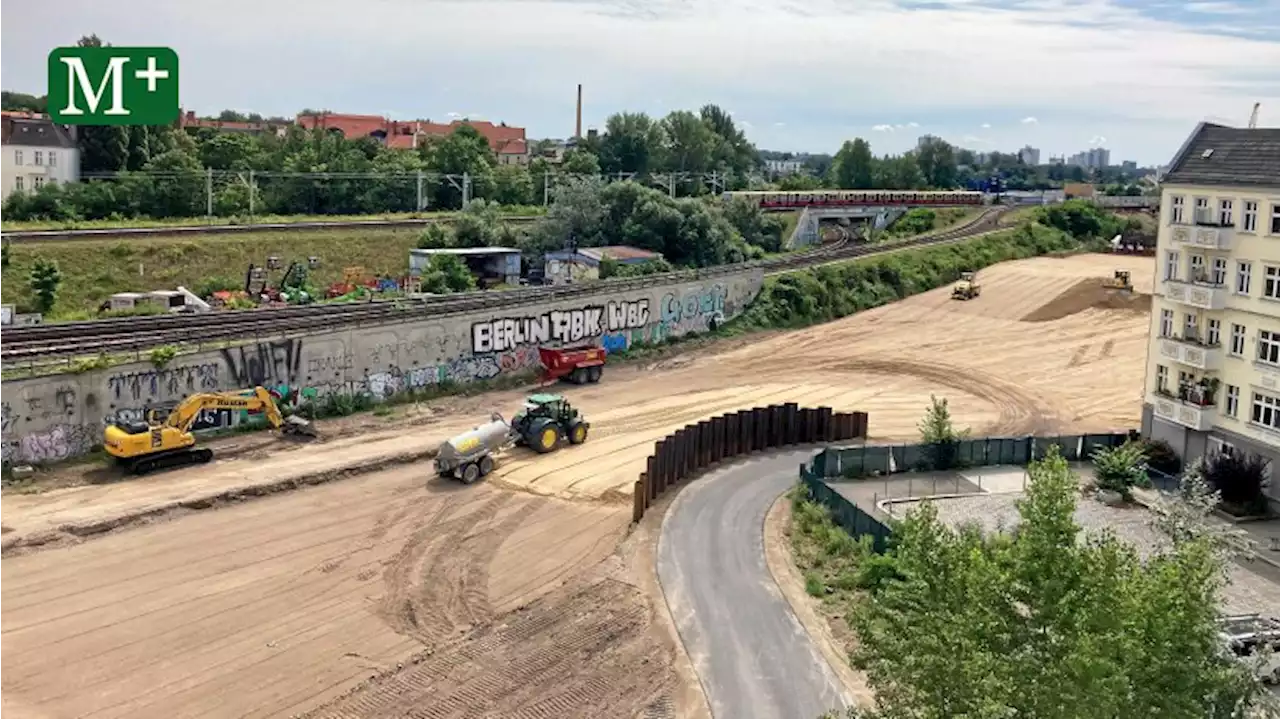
column 967, row 288
column 1120, row 281
column 144, row 446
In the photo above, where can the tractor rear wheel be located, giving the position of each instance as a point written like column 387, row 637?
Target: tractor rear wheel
column 545, row 437
column 578, row 433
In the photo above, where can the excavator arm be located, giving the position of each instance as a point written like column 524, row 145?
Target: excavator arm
column 185, row 414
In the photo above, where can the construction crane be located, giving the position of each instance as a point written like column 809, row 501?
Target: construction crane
column 144, row 446
column 1253, row 116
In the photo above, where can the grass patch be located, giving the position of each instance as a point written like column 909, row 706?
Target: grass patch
column 834, row 564
column 517, row 211
column 93, row 270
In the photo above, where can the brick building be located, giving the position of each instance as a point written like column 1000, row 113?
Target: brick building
column 508, row 143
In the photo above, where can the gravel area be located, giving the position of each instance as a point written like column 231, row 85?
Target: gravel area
column 1246, row 593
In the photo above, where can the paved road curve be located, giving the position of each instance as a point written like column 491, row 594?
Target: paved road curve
column 752, row 655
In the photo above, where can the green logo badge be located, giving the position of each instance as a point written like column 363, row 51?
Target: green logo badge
column 113, row 85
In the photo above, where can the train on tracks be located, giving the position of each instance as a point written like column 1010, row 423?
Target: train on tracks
column 856, row 198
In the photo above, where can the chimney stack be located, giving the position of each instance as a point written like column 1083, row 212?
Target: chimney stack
column 577, row 132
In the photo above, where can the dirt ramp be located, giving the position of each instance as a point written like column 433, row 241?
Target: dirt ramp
column 1087, row 294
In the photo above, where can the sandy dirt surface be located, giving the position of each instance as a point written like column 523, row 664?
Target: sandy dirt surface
column 1001, row 373
column 473, row 600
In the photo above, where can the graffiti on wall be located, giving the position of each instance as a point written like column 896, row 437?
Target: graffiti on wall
column 264, row 363
column 693, row 310
column 589, row 322
column 161, row 384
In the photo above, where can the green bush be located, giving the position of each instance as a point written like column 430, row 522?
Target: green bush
column 1120, row 469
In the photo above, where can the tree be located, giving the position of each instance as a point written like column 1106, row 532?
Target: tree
column 512, row 185
column 1240, row 478
column 939, row 435
column 103, row 148
column 854, row 167
column 435, row 237
column 447, row 273
column 21, row 101
column 464, row 151
column 477, row 225
column 632, row 142
column 937, row 162
column 1120, row 469
column 733, row 153
column 580, row 162
column 1040, row 624
column 690, row 143
column 44, row 281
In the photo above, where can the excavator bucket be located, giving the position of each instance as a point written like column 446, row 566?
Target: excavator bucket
column 298, row 427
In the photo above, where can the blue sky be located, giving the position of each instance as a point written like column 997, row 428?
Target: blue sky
column 1132, row 75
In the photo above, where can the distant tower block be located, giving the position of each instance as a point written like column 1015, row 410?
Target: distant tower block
column 577, row 129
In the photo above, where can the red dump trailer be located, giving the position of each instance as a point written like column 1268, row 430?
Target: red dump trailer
column 579, row 365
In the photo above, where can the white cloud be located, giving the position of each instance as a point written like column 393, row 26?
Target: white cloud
column 882, row 128
column 986, row 126
column 745, row 125
column 913, row 124
column 1030, row 121
column 779, row 124
column 928, row 63
column 1097, row 140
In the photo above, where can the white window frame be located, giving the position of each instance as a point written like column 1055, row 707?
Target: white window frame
column 1231, row 406
column 1166, row 323
column 1271, row 282
column 1162, row 379
column 1238, row 333
column 37, row 181
column 1191, row 326
column 1218, row 275
column 1244, row 276
column 1275, row 219
column 1171, row 261
column 1264, row 410
column 1250, row 223
column 1225, row 208
column 1221, row 446
column 1213, row 335
column 53, row 158
column 17, row 183
column 1176, row 204
column 37, row 157
column 1201, row 210
column 1268, row 348
column 17, row 157
column 1197, row 269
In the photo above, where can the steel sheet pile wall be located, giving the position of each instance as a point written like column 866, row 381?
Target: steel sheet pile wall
column 691, row 450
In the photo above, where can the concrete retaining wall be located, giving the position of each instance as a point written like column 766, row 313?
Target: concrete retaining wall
column 56, row 417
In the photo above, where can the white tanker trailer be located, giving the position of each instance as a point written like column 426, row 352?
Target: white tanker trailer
column 469, row 456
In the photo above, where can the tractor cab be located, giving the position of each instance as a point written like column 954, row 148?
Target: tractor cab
column 967, row 288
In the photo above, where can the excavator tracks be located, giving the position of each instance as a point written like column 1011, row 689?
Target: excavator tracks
column 181, row 458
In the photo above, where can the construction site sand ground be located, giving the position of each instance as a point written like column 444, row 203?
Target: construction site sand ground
column 508, row 593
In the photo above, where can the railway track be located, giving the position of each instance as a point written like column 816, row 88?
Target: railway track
column 110, row 233
column 134, row 334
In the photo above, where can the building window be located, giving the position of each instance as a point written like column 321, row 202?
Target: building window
column 37, row 157
column 1191, row 327
column 1275, row 219
column 17, row 157
column 1244, row 277
column 1166, row 323
column 1219, row 271
column 1250, row 216
column 1232, row 407
column 1269, row 347
column 53, row 159
column 17, row 183
column 1237, row 340
column 1219, row 446
column 1162, row 379
column 1271, row 282
column 1197, row 269
column 1175, row 210
column 1202, row 215
column 1224, row 213
column 1171, row 265
column 1266, row 410
column 1214, row 336
column 37, row 181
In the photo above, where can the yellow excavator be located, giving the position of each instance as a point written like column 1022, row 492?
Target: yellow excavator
column 141, row 447
column 1119, row 281
column 967, row 288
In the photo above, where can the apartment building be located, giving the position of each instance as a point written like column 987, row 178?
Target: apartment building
column 35, row 151
column 1213, row 364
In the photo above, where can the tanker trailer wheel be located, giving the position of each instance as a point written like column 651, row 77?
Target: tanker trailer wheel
column 486, row 465
column 578, row 433
column 470, row 473
column 545, row 436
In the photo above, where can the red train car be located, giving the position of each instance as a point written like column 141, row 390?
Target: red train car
column 857, row 198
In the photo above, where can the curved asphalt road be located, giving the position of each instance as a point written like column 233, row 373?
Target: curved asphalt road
column 753, row 657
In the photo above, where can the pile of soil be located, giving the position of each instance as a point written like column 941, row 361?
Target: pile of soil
column 1087, row 294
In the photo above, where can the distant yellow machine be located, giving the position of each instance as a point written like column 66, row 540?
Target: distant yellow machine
column 1121, row 281
column 142, row 447
column 967, row 288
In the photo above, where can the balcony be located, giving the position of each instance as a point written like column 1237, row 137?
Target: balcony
column 1192, row 352
column 1202, row 295
column 1206, row 233
column 1193, row 407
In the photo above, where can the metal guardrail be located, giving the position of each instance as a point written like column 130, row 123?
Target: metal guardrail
column 136, row 333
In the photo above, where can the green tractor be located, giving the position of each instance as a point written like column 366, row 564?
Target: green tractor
column 546, row 421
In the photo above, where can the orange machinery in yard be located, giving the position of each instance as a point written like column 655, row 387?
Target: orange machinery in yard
column 579, row 365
